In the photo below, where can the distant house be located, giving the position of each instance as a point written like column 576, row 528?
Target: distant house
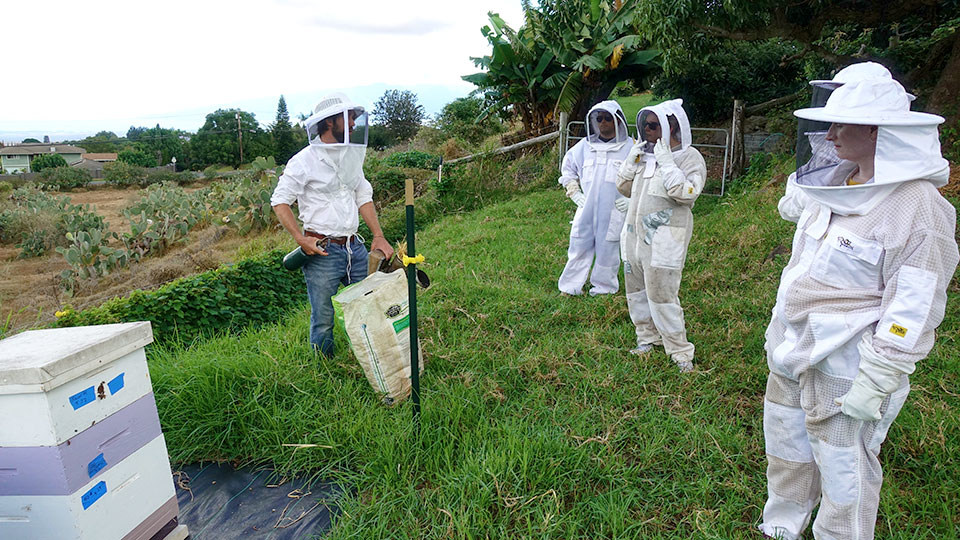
column 103, row 157
column 16, row 158
column 93, row 163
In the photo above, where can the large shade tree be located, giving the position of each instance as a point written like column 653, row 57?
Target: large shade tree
column 218, row 140
column 568, row 55
column 400, row 113
column 917, row 39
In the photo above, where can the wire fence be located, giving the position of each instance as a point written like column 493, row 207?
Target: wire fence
column 713, row 144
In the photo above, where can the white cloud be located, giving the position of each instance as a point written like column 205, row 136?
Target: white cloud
column 88, row 65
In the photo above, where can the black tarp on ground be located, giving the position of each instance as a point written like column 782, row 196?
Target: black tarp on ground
column 220, row 502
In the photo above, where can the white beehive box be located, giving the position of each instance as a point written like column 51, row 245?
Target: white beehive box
column 56, row 383
column 81, row 453
column 110, row 506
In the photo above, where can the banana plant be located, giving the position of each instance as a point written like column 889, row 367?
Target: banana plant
column 568, row 55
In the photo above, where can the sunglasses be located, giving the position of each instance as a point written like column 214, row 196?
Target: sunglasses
column 604, row 118
column 652, row 125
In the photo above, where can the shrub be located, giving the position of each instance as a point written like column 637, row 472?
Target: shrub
column 244, row 202
column 388, row 184
column 750, row 71
column 5, row 187
column 255, row 291
column 121, row 173
column 379, row 137
column 414, row 159
column 47, row 161
column 35, row 220
column 89, row 257
column 163, row 216
column 137, row 158
column 166, row 177
column 34, row 244
column 459, row 119
column 65, row 177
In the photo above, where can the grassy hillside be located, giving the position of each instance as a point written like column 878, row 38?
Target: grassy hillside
column 631, row 105
column 536, row 421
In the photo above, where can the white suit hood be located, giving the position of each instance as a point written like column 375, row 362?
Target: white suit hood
column 345, row 157
column 674, row 107
column 593, row 131
column 908, row 146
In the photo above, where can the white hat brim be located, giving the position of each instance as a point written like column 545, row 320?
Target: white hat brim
column 906, row 118
column 833, row 85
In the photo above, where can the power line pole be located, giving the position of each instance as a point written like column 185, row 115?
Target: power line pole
column 240, row 137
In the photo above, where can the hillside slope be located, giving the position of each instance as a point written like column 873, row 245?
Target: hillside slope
column 536, row 421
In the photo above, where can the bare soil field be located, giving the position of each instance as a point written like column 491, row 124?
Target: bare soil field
column 29, row 293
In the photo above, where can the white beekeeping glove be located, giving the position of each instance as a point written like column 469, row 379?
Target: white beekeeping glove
column 630, row 165
column 664, row 156
column 575, row 194
column 622, row 203
column 875, row 381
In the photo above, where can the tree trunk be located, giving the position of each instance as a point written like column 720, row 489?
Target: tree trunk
column 592, row 97
column 945, row 99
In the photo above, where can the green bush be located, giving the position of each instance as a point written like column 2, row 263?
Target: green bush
column 255, row 291
column 415, row 159
column 65, row 177
column 121, row 173
column 34, row 244
column 163, row 216
column 458, row 119
column 166, row 177
column 5, row 187
column 47, row 161
column 137, row 158
column 379, row 137
column 388, row 184
column 750, row 71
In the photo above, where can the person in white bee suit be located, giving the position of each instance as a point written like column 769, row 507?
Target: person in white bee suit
column 856, row 309
column 588, row 174
column 812, row 133
column 326, row 181
column 663, row 176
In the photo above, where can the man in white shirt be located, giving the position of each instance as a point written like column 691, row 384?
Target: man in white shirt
column 326, row 181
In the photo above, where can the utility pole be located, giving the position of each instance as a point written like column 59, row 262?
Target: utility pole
column 239, row 137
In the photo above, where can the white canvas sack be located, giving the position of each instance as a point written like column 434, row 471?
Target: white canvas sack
column 376, row 316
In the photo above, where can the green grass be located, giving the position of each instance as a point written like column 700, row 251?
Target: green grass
column 536, row 421
column 631, row 105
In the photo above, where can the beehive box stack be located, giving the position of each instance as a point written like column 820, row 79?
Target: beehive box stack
column 81, row 451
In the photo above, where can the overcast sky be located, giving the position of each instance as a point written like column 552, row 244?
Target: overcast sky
column 74, row 68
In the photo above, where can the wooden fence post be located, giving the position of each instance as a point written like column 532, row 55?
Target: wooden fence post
column 738, row 155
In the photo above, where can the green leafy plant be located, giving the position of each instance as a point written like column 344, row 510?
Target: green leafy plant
column 65, row 177
column 89, row 257
column 47, row 161
column 415, row 159
column 136, row 158
column 254, row 291
column 121, row 173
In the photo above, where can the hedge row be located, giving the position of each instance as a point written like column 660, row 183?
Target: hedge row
column 251, row 292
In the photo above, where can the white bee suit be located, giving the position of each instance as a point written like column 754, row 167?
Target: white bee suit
column 596, row 225
column 857, row 307
column 659, row 225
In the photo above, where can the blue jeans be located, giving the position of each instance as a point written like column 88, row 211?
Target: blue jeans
column 324, row 274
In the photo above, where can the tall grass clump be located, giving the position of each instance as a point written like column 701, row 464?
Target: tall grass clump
column 537, row 422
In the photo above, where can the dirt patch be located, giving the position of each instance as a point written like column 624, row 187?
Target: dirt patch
column 29, row 292
column 953, row 186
